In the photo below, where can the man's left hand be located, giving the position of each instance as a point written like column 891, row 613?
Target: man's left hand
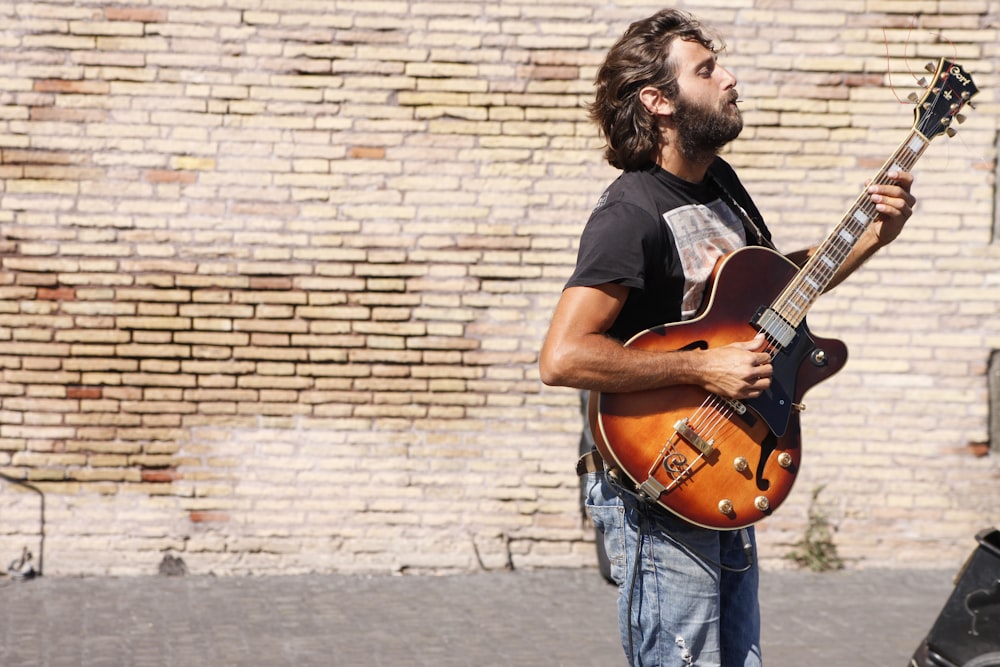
column 894, row 204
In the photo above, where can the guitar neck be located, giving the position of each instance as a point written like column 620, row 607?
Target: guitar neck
column 951, row 89
column 817, row 273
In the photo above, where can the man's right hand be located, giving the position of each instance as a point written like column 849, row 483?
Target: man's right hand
column 738, row 370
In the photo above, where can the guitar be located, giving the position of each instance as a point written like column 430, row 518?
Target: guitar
column 726, row 464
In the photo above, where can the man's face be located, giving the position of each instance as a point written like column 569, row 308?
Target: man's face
column 705, row 113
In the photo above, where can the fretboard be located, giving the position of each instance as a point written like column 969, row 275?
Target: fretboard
column 815, row 276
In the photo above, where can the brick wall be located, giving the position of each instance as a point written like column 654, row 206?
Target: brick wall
column 275, row 274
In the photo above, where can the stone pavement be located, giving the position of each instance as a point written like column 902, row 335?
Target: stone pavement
column 530, row 619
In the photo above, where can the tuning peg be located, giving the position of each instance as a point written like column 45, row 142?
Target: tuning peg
column 922, row 82
column 960, row 118
column 951, row 132
column 912, row 97
column 930, row 67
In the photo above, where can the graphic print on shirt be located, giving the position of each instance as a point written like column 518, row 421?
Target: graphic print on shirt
column 702, row 234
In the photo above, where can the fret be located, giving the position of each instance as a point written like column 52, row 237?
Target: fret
column 807, row 297
column 917, row 144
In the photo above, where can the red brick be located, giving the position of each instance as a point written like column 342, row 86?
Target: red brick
column 72, row 86
column 170, row 176
column 366, row 153
column 57, row 294
column 162, row 476
column 135, row 14
column 84, row 392
column 270, row 283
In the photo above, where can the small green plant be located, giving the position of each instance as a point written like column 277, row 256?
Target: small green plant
column 816, row 549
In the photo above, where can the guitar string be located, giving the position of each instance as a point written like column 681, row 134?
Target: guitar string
column 715, row 413
column 722, row 409
column 809, row 284
column 905, row 157
column 719, row 412
column 958, row 95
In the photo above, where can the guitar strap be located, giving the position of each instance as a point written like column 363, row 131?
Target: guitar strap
column 750, row 227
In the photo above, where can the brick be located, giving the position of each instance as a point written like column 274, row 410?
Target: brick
column 77, row 87
column 135, row 14
column 165, row 176
column 366, row 153
column 316, row 247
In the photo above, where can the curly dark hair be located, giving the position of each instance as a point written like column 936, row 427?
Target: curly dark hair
column 638, row 59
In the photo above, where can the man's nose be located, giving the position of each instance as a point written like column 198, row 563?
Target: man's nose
column 729, row 78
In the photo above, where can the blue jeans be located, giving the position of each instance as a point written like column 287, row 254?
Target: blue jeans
column 684, row 610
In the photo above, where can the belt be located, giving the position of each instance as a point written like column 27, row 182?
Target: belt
column 590, row 462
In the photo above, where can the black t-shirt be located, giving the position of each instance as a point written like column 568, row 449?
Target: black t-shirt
column 661, row 236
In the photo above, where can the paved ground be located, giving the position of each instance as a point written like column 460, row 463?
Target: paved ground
column 530, row 619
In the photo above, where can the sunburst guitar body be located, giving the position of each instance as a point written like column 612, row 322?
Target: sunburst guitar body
column 715, row 462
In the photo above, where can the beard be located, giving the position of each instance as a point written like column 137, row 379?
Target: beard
column 702, row 129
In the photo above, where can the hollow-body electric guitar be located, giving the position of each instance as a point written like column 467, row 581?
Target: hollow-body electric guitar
column 726, row 464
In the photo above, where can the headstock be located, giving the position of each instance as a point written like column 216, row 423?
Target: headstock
column 951, row 89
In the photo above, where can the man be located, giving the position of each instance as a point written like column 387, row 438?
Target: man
column 666, row 107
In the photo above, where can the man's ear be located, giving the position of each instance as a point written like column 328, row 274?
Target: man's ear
column 655, row 101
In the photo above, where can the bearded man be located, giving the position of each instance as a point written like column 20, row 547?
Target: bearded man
column 666, row 107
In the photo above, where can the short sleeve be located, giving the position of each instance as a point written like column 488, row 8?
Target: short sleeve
column 614, row 247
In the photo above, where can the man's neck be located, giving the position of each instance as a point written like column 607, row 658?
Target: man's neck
column 691, row 169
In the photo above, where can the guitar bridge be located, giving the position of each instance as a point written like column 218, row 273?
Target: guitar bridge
column 692, row 438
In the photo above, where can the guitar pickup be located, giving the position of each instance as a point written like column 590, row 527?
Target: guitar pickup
column 776, row 327
column 692, row 438
column 736, row 405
